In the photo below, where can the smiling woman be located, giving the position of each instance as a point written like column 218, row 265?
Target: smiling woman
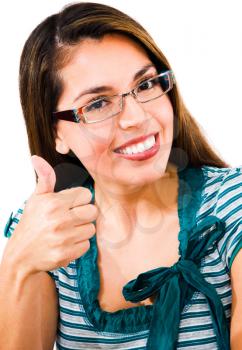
column 140, row 246
column 146, row 111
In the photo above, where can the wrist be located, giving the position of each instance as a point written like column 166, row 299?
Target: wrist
column 15, row 260
column 16, row 269
column 18, row 278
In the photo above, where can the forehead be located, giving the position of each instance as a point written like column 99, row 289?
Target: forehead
column 114, row 54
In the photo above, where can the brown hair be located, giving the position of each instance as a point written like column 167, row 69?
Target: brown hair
column 46, row 51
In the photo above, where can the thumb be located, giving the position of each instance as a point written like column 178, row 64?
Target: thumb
column 46, row 175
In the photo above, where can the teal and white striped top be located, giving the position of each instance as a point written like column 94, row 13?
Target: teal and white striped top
column 209, row 199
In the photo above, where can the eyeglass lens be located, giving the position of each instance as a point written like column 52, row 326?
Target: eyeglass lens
column 107, row 107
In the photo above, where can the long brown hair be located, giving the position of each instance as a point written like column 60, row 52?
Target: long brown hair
column 48, row 49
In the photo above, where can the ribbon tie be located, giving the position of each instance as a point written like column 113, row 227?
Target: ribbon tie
column 175, row 286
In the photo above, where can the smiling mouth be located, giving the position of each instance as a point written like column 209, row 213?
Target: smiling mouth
column 142, row 141
column 153, row 146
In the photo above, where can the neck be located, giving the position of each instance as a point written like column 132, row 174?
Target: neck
column 125, row 209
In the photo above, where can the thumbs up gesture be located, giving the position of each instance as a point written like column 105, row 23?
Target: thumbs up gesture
column 46, row 175
column 54, row 228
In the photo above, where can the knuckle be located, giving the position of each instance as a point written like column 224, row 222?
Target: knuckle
column 86, row 193
column 92, row 228
column 85, row 213
column 85, row 246
column 82, row 249
column 57, row 226
column 54, row 227
column 57, row 255
column 91, row 211
column 51, row 206
column 94, row 210
column 74, row 215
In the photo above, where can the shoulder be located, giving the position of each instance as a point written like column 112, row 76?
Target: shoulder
column 214, row 174
column 223, row 185
column 222, row 197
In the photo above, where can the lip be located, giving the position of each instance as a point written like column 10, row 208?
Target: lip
column 134, row 141
column 143, row 155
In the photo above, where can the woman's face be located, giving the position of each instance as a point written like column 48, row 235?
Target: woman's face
column 113, row 61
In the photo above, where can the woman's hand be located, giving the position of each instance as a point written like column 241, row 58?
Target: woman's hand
column 54, row 228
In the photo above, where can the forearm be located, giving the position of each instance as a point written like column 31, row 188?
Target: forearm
column 20, row 309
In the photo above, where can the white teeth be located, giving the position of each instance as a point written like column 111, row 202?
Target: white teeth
column 134, row 149
column 139, row 147
column 128, row 150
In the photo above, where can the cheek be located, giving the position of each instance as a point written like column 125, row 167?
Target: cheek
column 91, row 145
column 163, row 113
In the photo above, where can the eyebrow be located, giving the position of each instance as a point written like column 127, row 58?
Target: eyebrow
column 103, row 88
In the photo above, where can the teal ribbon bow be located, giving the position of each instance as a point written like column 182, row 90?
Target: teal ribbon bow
column 175, row 286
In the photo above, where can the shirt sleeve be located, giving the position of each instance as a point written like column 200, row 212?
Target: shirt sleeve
column 229, row 209
column 13, row 220
column 10, row 226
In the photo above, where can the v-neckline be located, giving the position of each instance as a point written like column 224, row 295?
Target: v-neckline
column 138, row 318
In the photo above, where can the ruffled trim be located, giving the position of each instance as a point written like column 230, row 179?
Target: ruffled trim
column 135, row 319
column 122, row 321
column 191, row 186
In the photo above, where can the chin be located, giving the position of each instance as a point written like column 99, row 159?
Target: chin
column 139, row 180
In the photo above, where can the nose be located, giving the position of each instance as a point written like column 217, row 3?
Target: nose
column 132, row 114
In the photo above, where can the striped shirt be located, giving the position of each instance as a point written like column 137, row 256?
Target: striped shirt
column 83, row 324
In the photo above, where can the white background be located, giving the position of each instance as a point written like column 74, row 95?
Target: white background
column 201, row 39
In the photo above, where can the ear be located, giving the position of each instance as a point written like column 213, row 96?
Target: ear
column 60, row 145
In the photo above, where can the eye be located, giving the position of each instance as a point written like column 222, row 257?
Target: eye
column 97, row 104
column 146, row 84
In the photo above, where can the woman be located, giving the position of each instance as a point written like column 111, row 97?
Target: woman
column 154, row 262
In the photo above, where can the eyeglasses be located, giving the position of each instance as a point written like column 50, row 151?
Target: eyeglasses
column 106, row 107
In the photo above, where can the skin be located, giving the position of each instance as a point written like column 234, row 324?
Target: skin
column 133, row 193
